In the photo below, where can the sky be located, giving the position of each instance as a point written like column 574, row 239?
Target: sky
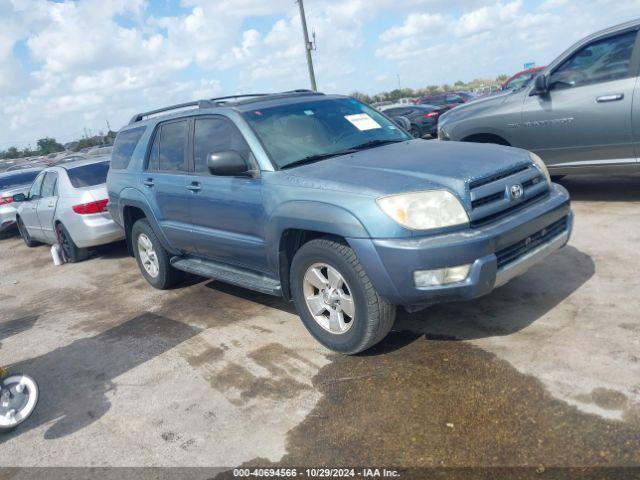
column 67, row 66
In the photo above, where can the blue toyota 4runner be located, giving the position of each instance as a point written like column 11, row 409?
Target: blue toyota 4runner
column 325, row 201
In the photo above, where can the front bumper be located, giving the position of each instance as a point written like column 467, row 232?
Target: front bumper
column 390, row 263
column 7, row 217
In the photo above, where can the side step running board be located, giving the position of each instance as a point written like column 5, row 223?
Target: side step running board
column 228, row 274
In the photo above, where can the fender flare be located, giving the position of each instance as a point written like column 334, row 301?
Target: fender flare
column 311, row 216
column 131, row 197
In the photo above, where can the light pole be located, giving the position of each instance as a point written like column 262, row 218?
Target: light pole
column 308, row 46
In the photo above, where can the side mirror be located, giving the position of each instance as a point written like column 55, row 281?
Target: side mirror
column 403, row 122
column 227, row 163
column 19, row 197
column 540, row 86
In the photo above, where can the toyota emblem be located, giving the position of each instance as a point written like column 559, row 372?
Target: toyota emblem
column 516, row 190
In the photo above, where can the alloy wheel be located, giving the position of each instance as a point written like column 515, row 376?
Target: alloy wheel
column 328, row 298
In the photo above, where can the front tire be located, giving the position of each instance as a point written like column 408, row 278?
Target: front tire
column 152, row 258
column 28, row 241
column 335, row 298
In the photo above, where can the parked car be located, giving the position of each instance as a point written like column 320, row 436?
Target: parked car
column 423, row 118
column 521, row 79
column 578, row 114
column 99, row 151
column 323, row 200
column 12, row 183
column 67, row 205
column 446, row 100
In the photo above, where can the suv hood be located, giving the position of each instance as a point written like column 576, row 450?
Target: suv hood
column 409, row 166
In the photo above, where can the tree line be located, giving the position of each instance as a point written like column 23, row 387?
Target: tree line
column 49, row 145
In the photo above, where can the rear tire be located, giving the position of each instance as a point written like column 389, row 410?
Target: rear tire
column 415, row 132
column 70, row 251
column 152, row 258
column 366, row 321
column 28, row 241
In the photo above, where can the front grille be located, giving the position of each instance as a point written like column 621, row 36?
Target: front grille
column 491, row 196
column 515, row 251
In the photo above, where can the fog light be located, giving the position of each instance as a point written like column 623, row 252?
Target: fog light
column 441, row 276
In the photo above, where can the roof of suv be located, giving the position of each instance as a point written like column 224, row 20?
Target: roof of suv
column 241, row 103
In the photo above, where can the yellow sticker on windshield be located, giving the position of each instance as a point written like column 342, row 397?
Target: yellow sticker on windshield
column 363, row 122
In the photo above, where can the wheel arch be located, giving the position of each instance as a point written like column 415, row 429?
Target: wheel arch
column 486, row 138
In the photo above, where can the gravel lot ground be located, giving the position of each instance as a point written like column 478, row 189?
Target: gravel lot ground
column 544, row 371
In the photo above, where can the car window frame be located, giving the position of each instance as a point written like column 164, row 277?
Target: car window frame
column 634, row 60
column 158, row 131
column 55, row 184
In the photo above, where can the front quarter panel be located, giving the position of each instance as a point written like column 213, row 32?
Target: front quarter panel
column 493, row 115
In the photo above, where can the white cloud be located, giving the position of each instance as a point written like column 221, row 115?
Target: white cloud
column 92, row 60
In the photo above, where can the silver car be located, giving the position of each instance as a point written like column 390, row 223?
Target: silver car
column 12, row 183
column 67, row 204
column 580, row 115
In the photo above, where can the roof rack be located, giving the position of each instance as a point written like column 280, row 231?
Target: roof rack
column 210, row 103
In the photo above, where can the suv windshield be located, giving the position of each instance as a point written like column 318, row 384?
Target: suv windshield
column 304, row 132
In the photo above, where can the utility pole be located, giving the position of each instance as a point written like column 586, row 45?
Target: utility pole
column 308, row 46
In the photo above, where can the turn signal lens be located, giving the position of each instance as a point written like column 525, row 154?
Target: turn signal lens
column 6, row 200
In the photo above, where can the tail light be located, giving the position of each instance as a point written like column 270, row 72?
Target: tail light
column 6, row 200
column 431, row 114
column 91, row 207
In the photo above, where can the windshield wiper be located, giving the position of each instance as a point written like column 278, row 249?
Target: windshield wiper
column 318, row 157
column 323, row 156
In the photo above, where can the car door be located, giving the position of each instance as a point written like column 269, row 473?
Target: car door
column 47, row 206
column 28, row 211
column 164, row 182
column 227, row 211
column 585, row 118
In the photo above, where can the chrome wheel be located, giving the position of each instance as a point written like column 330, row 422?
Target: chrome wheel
column 329, row 298
column 148, row 257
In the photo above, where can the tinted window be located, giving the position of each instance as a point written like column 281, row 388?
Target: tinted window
column 171, row 157
column 17, row 179
column 49, row 185
column 124, row 146
column 394, row 111
column 34, row 191
column 454, row 99
column 601, row 61
column 152, row 163
column 88, row 175
column 212, row 135
column 434, row 100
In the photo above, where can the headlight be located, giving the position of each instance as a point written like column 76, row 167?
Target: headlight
column 541, row 166
column 424, row 210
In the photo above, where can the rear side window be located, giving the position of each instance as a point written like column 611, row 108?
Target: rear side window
column 88, row 175
column 17, row 179
column 124, row 147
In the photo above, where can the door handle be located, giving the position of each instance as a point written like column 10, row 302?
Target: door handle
column 50, row 205
column 148, row 182
column 194, row 187
column 610, row 98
